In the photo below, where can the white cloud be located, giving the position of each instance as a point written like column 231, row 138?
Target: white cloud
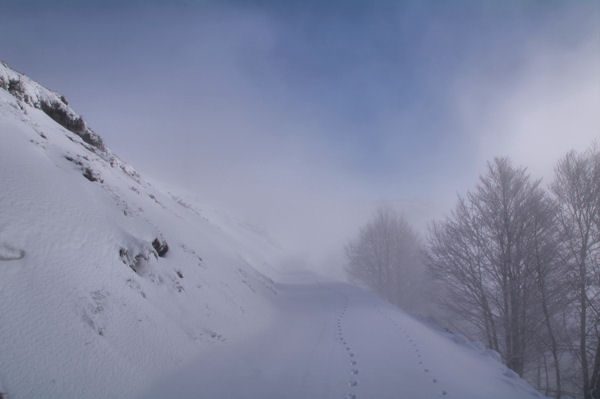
column 550, row 106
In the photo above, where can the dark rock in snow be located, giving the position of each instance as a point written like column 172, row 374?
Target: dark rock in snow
column 160, row 246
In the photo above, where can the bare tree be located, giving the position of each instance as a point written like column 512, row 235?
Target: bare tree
column 551, row 300
column 484, row 254
column 387, row 258
column 457, row 259
column 577, row 190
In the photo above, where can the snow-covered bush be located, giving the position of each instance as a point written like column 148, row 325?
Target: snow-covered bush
column 89, row 174
column 15, row 87
column 60, row 115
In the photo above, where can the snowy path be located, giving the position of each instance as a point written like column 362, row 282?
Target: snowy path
column 333, row 340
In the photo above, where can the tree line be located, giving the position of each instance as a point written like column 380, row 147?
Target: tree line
column 515, row 265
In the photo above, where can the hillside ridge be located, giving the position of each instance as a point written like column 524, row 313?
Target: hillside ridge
column 115, row 278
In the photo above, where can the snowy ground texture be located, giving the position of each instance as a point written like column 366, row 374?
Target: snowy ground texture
column 88, row 308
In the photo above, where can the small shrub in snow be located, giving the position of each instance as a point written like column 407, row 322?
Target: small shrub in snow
column 15, row 87
column 71, row 159
column 3, row 83
column 87, row 172
column 91, row 138
column 90, row 175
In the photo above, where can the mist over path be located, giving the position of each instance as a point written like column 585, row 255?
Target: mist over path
column 334, row 340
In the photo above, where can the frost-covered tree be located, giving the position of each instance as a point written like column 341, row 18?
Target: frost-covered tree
column 577, row 190
column 550, row 300
column 387, row 258
column 487, row 255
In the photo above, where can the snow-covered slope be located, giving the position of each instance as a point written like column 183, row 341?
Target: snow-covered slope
column 92, row 305
column 87, row 307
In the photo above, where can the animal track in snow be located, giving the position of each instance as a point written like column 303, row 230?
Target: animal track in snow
column 417, row 351
column 354, row 371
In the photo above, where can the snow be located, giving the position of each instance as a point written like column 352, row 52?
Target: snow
column 333, row 340
column 215, row 317
column 75, row 321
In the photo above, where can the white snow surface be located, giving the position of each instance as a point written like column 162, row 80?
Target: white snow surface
column 216, row 317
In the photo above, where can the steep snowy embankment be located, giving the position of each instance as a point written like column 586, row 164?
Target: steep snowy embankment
column 87, row 307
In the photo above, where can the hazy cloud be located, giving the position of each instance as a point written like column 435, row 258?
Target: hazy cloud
column 304, row 117
column 549, row 106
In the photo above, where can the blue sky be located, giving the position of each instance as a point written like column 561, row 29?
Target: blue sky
column 302, row 116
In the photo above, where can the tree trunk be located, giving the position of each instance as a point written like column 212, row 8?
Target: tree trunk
column 583, row 342
column 541, row 277
column 595, row 378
